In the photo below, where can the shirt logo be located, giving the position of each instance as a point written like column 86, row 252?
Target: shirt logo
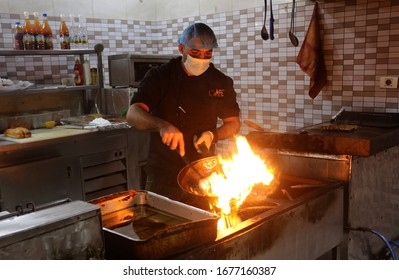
column 218, row 93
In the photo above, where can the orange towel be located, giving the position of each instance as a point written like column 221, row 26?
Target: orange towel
column 310, row 57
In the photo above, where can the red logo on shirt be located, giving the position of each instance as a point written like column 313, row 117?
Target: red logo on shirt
column 216, row 93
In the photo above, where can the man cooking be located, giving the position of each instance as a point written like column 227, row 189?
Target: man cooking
column 180, row 103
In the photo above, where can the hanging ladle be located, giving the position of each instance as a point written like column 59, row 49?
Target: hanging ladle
column 271, row 29
column 293, row 38
column 263, row 33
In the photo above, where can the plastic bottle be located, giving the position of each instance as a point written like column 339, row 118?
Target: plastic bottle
column 29, row 36
column 83, row 37
column 19, row 32
column 78, row 73
column 86, row 72
column 74, row 33
column 39, row 37
column 64, row 34
column 47, row 33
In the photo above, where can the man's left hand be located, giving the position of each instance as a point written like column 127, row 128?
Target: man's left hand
column 205, row 138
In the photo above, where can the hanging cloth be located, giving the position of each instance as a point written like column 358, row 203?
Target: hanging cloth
column 310, row 57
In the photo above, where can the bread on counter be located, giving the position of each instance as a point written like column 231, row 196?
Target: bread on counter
column 18, row 132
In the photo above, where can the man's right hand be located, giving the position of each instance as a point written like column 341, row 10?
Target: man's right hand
column 173, row 138
column 139, row 117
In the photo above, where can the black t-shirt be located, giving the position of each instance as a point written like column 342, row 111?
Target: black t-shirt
column 191, row 103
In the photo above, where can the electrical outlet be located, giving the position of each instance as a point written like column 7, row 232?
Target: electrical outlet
column 388, row 82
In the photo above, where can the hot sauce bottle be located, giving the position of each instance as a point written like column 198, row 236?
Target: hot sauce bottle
column 39, row 37
column 78, row 73
column 64, row 34
column 47, row 33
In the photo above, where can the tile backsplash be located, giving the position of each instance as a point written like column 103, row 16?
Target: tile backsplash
column 360, row 42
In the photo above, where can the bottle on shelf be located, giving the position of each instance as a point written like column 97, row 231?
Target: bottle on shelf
column 19, row 32
column 29, row 36
column 47, row 33
column 78, row 73
column 83, row 37
column 64, row 34
column 86, row 72
column 39, row 37
column 74, row 33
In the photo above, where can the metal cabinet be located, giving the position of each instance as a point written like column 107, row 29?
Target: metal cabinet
column 40, row 182
column 83, row 168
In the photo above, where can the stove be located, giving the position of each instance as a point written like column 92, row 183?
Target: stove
column 300, row 219
column 296, row 218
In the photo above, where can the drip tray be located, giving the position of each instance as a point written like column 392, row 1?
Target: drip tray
column 144, row 225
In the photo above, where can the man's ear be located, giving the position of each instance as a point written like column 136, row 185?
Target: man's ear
column 181, row 48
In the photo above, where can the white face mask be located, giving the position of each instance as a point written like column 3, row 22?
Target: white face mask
column 196, row 66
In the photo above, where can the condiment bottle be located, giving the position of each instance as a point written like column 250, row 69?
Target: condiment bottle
column 29, row 36
column 64, row 34
column 93, row 72
column 86, row 72
column 83, row 37
column 74, row 34
column 47, row 33
column 19, row 32
column 39, row 37
column 78, row 73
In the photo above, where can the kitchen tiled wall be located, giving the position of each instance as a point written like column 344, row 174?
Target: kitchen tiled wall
column 361, row 43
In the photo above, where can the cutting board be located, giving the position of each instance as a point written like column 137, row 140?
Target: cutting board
column 46, row 134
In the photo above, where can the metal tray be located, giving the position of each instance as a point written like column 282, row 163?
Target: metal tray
column 144, row 225
column 85, row 122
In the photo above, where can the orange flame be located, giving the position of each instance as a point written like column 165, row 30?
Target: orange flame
column 239, row 174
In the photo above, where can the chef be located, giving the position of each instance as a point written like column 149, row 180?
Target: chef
column 181, row 102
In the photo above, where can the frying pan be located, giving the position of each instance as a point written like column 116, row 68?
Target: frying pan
column 189, row 181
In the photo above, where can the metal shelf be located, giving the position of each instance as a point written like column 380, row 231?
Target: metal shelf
column 48, row 89
column 97, row 50
column 45, row 52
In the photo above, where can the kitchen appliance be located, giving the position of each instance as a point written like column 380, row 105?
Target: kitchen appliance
column 127, row 70
column 298, row 218
column 364, row 157
column 61, row 229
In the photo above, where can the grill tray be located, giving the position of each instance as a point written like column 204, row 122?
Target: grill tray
column 144, row 225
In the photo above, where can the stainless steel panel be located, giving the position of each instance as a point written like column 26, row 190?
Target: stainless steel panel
column 127, row 70
column 68, row 231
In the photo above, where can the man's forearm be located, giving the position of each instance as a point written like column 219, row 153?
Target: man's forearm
column 229, row 128
column 140, row 119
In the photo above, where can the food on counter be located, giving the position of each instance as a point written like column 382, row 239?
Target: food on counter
column 6, row 83
column 95, row 115
column 339, row 127
column 49, row 124
column 18, row 133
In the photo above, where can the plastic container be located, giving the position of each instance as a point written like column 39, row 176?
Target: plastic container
column 86, row 72
column 65, row 43
column 47, row 33
column 19, row 32
column 29, row 36
column 39, row 37
column 78, row 73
